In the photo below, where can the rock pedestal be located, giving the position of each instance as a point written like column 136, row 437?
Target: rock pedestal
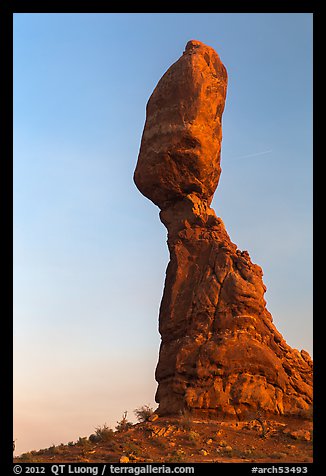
column 220, row 352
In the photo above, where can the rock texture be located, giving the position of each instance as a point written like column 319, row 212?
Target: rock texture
column 180, row 148
column 220, row 351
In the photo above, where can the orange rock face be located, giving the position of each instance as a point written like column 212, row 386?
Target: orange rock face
column 180, row 148
column 220, row 352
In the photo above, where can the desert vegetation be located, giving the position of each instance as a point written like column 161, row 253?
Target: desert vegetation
column 186, row 439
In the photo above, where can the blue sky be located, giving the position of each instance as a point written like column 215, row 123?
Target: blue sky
column 89, row 250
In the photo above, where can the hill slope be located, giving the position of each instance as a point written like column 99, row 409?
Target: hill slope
column 185, row 440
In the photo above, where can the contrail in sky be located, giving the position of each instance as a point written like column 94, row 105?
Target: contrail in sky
column 252, row 155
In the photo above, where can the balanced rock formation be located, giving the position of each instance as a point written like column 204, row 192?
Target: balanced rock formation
column 220, row 352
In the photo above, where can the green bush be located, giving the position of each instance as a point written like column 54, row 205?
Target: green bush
column 185, row 420
column 26, row 458
column 132, row 449
column 177, row 456
column 194, row 437
column 102, row 433
column 143, row 413
column 123, row 424
column 54, row 450
column 306, row 414
column 82, row 441
column 159, row 442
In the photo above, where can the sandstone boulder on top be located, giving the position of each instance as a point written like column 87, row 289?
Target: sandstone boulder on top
column 180, row 148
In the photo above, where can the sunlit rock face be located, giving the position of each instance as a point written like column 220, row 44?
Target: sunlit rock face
column 220, row 352
column 180, row 148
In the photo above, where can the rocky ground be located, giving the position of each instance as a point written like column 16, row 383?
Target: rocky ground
column 183, row 440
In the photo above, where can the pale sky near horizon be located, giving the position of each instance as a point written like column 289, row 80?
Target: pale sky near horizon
column 90, row 251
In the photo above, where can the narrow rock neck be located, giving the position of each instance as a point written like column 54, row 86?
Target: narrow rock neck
column 189, row 212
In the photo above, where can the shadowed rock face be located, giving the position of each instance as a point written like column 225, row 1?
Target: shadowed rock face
column 220, row 352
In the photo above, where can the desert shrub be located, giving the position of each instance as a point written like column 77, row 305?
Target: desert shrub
column 177, row 456
column 26, row 458
column 260, row 418
column 54, row 450
column 123, row 424
column 194, row 437
column 159, row 442
column 102, row 433
column 236, row 453
column 143, row 413
column 132, row 449
column 278, row 455
column 185, row 420
column 82, row 441
column 264, row 429
column 306, row 414
column 71, row 443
